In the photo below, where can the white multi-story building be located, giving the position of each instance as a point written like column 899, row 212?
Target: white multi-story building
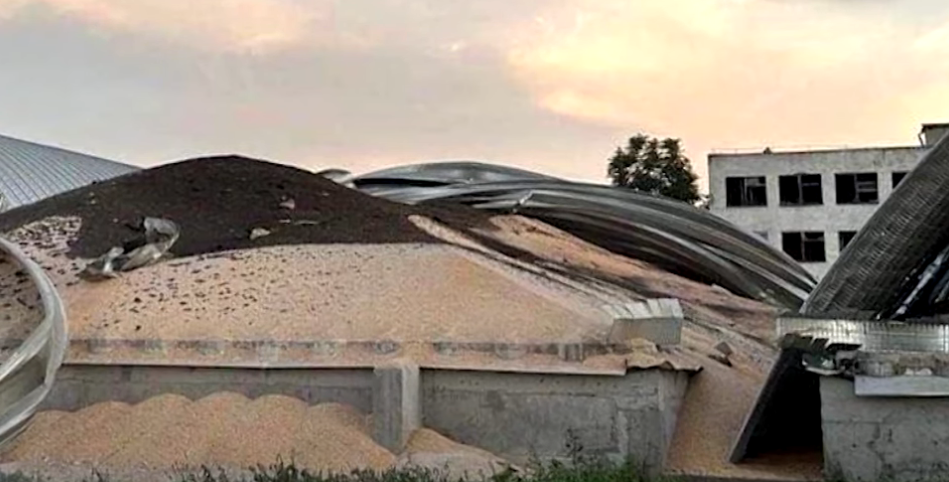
column 810, row 204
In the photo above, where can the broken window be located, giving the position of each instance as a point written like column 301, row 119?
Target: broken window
column 845, row 237
column 746, row 191
column 898, row 177
column 800, row 190
column 860, row 188
column 805, row 247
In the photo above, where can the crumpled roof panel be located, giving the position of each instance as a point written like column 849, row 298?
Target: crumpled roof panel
column 30, row 172
column 673, row 235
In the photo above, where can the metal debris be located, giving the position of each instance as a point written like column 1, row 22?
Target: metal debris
column 156, row 238
column 258, row 233
column 673, row 235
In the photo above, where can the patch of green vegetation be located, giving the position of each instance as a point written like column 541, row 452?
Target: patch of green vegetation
column 18, row 477
column 587, row 471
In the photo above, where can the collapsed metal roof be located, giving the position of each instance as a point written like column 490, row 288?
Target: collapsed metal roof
column 896, row 265
column 675, row 236
column 895, row 269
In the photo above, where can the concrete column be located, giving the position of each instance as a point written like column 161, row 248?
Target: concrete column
column 396, row 404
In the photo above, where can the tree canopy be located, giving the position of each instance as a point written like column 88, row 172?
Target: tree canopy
column 655, row 166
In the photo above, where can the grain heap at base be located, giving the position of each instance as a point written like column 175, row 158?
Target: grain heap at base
column 230, row 431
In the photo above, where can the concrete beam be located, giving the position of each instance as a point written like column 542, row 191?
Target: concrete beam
column 901, row 386
column 396, row 404
column 656, row 320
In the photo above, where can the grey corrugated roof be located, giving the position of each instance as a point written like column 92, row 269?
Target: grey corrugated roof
column 30, row 172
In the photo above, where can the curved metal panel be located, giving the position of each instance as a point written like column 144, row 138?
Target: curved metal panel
column 28, row 375
column 674, row 235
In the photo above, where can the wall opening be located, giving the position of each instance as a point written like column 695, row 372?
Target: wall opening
column 857, row 188
column 804, row 247
column 746, row 191
column 801, row 190
column 786, row 420
column 897, row 178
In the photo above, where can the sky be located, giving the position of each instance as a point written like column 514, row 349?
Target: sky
column 549, row 85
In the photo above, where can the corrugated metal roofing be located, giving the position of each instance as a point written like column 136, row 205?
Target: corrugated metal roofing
column 30, row 172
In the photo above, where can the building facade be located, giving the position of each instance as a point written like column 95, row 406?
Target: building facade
column 810, row 204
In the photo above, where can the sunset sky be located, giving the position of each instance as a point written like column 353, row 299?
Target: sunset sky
column 549, row 85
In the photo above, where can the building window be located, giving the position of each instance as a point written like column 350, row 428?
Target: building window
column 898, row 178
column 857, row 188
column 800, row 190
column 746, row 191
column 805, row 247
column 845, row 237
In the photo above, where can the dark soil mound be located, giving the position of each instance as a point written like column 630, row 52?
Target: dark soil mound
column 218, row 201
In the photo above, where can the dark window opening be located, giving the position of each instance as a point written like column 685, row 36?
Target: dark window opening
column 898, row 178
column 800, row 190
column 857, row 188
column 845, row 238
column 746, row 191
column 806, row 247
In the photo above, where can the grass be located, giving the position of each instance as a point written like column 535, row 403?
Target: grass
column 586, row 470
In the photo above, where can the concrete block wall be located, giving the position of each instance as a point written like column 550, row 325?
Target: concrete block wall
column 883, row 438
column 79, row 386
column 516, row 415
column 522, row 416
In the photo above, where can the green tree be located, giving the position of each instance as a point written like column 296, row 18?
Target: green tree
column 655, row 166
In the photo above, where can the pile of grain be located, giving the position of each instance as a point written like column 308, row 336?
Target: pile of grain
column 223, row 429
column 404, row 292
column 217, row 202
column 20, row 307
column 711, row 417
column 429, row 449
column 538, row 242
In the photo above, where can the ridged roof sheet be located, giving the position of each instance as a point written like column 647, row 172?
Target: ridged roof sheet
column 30, row 172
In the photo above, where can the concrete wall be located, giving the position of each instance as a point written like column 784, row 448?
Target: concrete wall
column 79, row 386
column 519, row 416
column 515, row 415
column 830, row 218
column 876, row 438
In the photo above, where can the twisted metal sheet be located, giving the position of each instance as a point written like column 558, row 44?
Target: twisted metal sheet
column 27, row 376
column 673, row 235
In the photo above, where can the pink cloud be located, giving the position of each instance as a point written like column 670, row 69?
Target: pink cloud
column 722, row 73
column 236, row 26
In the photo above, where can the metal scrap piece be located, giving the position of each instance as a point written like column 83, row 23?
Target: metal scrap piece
column 159, row 235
